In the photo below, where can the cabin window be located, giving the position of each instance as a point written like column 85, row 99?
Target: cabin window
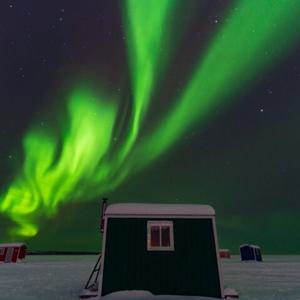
column 160, row 236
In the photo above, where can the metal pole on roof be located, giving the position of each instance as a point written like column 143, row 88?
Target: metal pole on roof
column 103, row 208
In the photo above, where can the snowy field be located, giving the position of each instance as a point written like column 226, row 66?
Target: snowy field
column 63, row 277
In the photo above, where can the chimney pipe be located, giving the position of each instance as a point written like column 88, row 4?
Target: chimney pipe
column 103, row 208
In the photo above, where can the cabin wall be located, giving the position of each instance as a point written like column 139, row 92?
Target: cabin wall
column 247, row 253
column 2, row 253
column 22, row 252
column 191, row 269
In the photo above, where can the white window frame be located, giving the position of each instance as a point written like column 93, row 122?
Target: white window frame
column 160, row 224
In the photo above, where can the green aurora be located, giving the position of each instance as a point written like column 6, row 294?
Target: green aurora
column 83, row 161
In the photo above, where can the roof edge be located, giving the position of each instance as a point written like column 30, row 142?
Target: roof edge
column 151, row 209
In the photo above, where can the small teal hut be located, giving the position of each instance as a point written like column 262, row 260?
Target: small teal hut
column 166, row 249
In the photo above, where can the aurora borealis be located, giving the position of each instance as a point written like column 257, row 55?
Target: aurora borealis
column 136, row 89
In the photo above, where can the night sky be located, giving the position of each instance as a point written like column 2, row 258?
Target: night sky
column 242, row 158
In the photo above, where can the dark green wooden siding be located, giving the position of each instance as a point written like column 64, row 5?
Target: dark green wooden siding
column 189, row 270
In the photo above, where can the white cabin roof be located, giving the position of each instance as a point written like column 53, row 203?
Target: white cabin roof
column 5, row 245
column 138, row 209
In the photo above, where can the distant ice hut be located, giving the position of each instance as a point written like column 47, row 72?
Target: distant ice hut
column 164, row 249
column 250, row 252
column 224, row 253
column 12, row 252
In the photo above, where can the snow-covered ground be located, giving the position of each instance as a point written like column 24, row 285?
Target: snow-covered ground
column 63, row 277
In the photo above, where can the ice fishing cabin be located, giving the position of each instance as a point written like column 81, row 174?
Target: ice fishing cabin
column 166, row 249
column 12, row 252
column 224, row 253
column 250, row 252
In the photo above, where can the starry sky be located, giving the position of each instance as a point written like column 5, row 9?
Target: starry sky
column 244, row 160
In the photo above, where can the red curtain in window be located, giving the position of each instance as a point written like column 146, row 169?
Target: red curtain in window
column 155, row 236
column 165, row 236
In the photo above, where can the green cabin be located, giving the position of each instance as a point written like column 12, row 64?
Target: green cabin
column 166, row 249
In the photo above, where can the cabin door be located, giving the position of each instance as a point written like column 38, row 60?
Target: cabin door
column 9, row 254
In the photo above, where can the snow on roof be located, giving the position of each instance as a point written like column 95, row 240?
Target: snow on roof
column 249, row 245
column 159, row 209
column 12, row 245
